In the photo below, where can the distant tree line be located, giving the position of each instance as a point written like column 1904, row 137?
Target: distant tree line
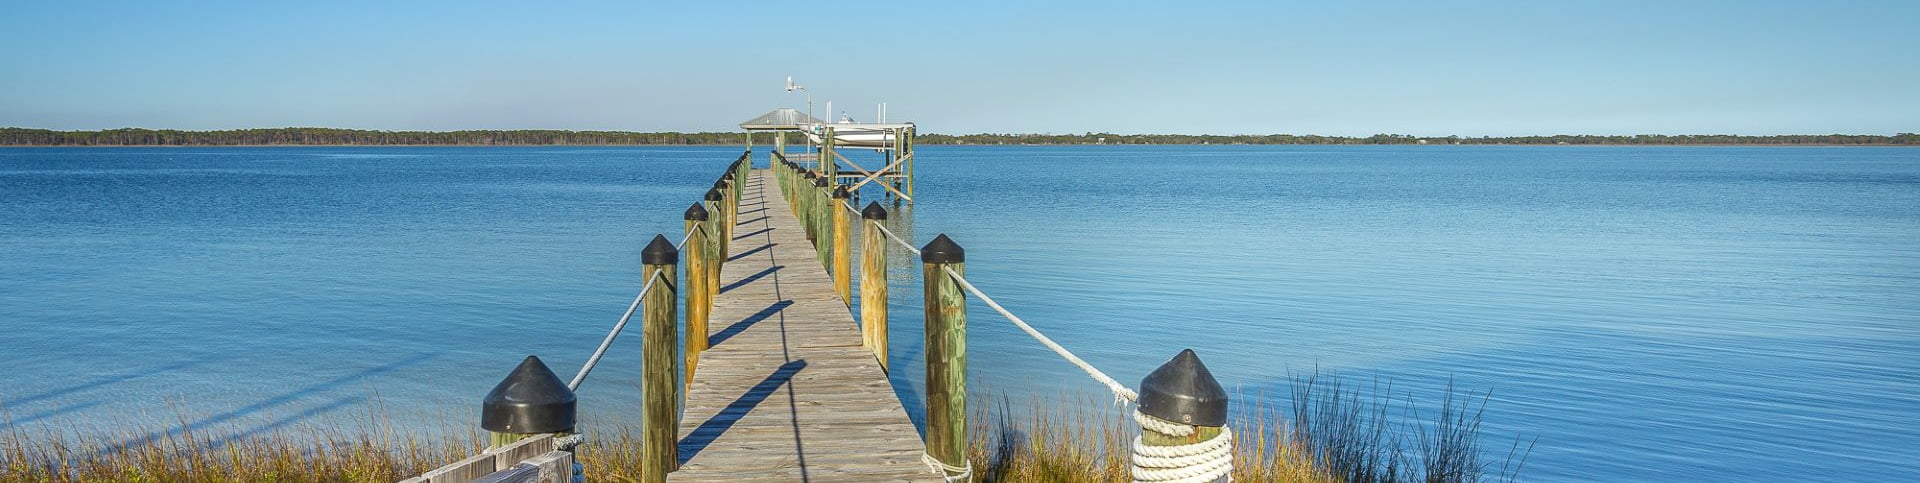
column 326, row 136
column 1640, row 139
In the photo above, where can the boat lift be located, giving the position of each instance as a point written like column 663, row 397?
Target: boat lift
column 894, row 142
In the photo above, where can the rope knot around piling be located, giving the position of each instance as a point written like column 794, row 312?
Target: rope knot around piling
column 1204, row 461
column 948, row 472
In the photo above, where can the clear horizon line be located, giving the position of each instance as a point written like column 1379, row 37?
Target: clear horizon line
column 1006, row 133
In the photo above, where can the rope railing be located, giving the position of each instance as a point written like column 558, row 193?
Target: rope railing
column 611, row 335
column 1210, row 459
column 896, row 239
column 620, row 325
column 884, row 231
column 1120, row 391
column 1180, row 409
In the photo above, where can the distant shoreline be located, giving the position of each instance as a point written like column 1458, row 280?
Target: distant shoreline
column 299, row 136
column 1673, row 145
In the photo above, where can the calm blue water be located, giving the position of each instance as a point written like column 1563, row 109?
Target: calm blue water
column 1646, row 313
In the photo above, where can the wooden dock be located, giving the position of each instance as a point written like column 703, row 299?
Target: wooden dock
column 786, row 392
column 782, row 384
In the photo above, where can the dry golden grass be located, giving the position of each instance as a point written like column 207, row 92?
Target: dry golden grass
column 1050, row 445
column 1082, row 440
column 1090, row 441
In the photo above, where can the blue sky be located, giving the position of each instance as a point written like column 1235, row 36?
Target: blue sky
column 1340, row 68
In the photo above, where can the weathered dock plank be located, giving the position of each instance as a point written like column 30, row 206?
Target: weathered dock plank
column 786, row 392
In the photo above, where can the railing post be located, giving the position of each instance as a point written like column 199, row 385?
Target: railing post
column 873, row 282
column 699, row 299
column 1182, row 397
column 842, row 244
column 794, row 178
column 907, row 145
column 716, row 247
column 946, row 349
column 531, row 400
column 717, row 206
column 736, row 185
column 804, row 192
column 741, row 173
column 660, row 388
column 823, row 235
column 715, row 199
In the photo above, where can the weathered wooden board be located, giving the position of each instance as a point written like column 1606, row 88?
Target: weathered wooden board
column 786, row 392
column 462, row 471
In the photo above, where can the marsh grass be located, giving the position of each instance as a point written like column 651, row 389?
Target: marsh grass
column 187, row 453
column 1328, row 433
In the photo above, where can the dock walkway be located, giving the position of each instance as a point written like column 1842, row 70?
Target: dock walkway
column 786, row 392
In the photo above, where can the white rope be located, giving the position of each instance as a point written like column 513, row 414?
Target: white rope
column 1205, row 461
column 896, row 239
column 1200, row 462
column 608, row 342
column 1162, row 426
column 569, row 442
column 683, row 240
column 948, row 472
column 622, row 324
column 1120, row 391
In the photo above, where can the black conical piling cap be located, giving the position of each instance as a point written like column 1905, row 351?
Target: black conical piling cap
column 1183, row 391
column 659, row 252
column 720, row 184
column 714, row 195
column 530, row 400
column 873, row 211
column 696, row 213
column 942, row 250
column 820, row 182
column 841, row 193
column 810, row 175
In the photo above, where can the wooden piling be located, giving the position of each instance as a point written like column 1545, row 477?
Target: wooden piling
column 738, row 183
column 699, row 296
column 804, row 191
column 794, row 178
column 906, row 143
column 660, row 388
column 715, row 251
column 842, row 246
column 1183, row 392
column 713, row 200
column 828, row 166
column 786, row 189
column 823, row 234
column 946, row 349
column 873, row 282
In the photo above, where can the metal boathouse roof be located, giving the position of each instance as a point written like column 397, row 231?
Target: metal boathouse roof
column 780, row 119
